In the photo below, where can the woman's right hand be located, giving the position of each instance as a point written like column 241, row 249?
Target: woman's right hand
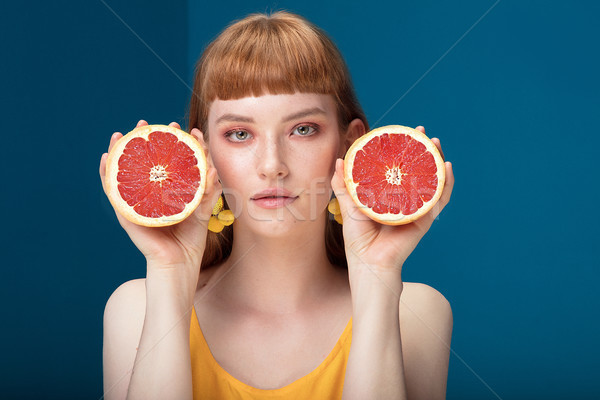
column 171, row 247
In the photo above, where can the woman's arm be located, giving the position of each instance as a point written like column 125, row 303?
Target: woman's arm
column 146, row 340
column 147, row 322
column 377, row 366
column 123, row 323
column 398, row 351
column 426, row 326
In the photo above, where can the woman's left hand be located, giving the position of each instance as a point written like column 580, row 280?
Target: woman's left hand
column 383, row 248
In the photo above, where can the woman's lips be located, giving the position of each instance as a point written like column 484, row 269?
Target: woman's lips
column 273, row 197
column 274, row 202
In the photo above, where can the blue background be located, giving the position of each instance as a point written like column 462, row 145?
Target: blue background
column 515, row 103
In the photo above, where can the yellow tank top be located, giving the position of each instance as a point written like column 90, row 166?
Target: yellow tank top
column 211, row 381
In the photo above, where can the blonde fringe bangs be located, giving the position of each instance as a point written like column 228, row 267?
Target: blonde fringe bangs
column 277, row 61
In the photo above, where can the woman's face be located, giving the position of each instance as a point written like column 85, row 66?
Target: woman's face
column 275, row 156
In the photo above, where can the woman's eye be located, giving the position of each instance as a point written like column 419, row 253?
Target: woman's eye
column 305, row 130
column 237, row 136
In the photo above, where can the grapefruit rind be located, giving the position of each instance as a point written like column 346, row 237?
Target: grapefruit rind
column 112, row 169
column 391, row 218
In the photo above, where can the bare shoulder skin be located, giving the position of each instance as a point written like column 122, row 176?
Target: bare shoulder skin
column 123, row 322
column 426, row 329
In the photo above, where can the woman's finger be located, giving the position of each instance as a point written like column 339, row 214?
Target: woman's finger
column 114, row 139
column 438, row 144
column 337, row 181
column 175, row 125
column 446, row 193
column 209, row 197
column 347, row 205
column 141, row 122
column 102, row 169
column 195, row 132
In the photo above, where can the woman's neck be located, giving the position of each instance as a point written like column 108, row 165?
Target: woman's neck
column 278, row 275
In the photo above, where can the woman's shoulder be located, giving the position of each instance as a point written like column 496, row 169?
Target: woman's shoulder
column 130, row 297
column 130, row 293
column 124, row 315
column 425, row 311
column 426, row 330
column 126, row 305
column 423, row 296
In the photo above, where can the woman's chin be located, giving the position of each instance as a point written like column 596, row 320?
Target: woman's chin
column 277, row 226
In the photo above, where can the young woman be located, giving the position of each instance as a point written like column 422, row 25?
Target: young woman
column 285, row 303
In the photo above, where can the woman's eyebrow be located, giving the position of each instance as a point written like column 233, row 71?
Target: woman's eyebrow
column 304, row 113
column 233, row 118
column 300, row 114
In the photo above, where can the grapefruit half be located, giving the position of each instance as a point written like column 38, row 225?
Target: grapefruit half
column 156, row 175
column 394, row 174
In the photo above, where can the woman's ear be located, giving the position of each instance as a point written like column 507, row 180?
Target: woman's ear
column 356, row 129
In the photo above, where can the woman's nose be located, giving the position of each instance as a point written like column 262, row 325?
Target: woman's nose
column 271, row 161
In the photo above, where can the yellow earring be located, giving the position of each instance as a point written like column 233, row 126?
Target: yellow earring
column 334, row 208
column 220, row 218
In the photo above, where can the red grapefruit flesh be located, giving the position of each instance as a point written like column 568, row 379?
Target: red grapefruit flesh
column 156, row 175
column 394, row 174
